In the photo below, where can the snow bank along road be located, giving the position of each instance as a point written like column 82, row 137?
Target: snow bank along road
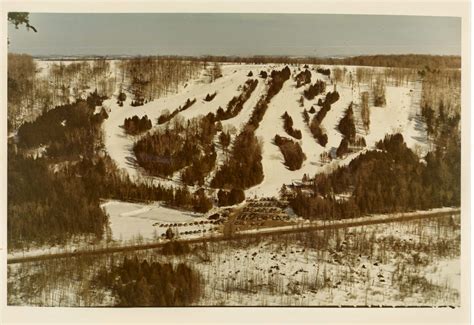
column 376, row 219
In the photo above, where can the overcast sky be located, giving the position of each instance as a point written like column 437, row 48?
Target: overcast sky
column 235, row 34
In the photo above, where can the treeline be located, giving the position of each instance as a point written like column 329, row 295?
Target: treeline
column 187, row 143
column 166, row 116
column 389, row 180
column 243, row 168
column 314, row 90
column 135, row 125
column 142, row 284
column 236, row 104
column 303, row 78
column 378, row 60
column 381, row 60
column 315, row 125
column 288, row 126
column 292, row 152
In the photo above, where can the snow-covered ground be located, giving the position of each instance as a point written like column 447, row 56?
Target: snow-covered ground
column 132, row 220
column 129, row 221
column 414, row 263
column 399, row 115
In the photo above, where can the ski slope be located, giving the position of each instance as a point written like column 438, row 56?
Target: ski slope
column 401, row 114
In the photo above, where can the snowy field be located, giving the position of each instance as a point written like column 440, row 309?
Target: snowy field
column 129, row 221
column 414, row 263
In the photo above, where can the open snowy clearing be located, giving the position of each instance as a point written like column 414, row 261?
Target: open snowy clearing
column 132, row 220
column 412, row 263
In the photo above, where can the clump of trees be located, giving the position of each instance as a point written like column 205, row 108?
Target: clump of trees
column 338, row 74
column 215, row 72
column 288, row 126
column 121, row 98
column 314, row 90
column 243, row 168
column 292, row 152
column 167, row 116
column 142, row 284
column 347, row 126
column 365, row 110
column 210, row 97
column 315, row 126
column 135, row 125
column 305, row 116
column 263, row 74
column 348, row 130
column 326, row 72
column 303, row 78
column 68, row 130
column 318, row 132
column 236, row 104
column 378, row 90
column 226, row 198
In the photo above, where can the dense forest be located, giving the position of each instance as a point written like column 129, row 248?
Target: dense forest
column 390, row 179
column 137, row 283
column 68, row 131
column 243, row 168
column 46, row 207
